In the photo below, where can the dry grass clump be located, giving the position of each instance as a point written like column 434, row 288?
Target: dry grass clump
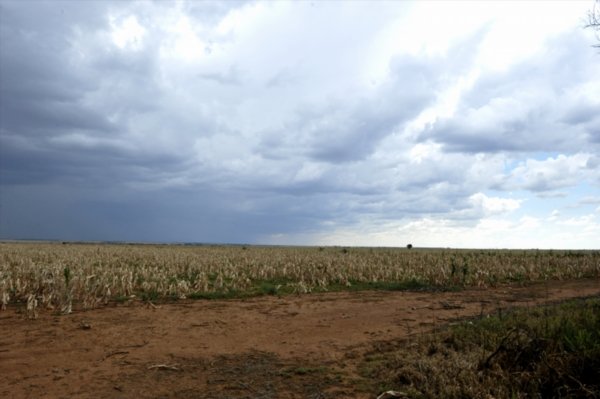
column 545, row 352
column 87, row 275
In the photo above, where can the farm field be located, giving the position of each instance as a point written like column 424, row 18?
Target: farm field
column 251, row 322
column 59, row 277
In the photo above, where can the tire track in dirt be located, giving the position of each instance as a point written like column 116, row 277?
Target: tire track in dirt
column 118, row 351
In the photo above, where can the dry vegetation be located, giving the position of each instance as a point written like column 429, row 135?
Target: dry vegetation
column 542, row 352
column 58, row 277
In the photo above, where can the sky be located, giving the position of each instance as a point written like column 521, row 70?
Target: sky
column 441, row 124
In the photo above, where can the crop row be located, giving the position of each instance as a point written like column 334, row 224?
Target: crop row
column 58, row 276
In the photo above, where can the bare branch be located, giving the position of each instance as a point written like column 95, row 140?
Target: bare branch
column 593, row 21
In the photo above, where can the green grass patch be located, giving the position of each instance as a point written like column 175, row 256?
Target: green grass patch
column 121, row 299
column 271, row 287
column 406, row 285
column 217, row 295
column 281, row 287
column 149, row 296
column 549, row 351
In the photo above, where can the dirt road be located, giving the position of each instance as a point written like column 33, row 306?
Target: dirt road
column 266, row 347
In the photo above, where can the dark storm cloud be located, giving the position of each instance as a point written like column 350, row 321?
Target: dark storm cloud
column 346, row 130
column 73, row 213
column 41, row 88
column 34, row 117
column 98, row 166
column 348, row 138
column 86, row 148
column 57, row 96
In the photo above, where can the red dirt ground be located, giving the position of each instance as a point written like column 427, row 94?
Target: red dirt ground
column 267, row 347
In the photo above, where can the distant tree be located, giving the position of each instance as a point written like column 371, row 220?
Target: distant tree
column 593, row 21
column 409, row 246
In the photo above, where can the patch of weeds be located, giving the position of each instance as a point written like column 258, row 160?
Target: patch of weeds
column 518, row 277
column 149, row 296
column 190, row 276
column 173, row 280
column 217, row 295
column 549, row 351
column 121, row 299
column 282, row 286
column 405, row 285
column 271, row 287
column 268, row 288
column 212, row 277
column 68, row 275
column 262, row 375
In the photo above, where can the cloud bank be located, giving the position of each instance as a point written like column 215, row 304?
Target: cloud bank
column 300, row 123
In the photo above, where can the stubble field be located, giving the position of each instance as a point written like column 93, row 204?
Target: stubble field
column 234, row 321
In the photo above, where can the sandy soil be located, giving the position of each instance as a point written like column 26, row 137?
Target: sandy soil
column 266, row 347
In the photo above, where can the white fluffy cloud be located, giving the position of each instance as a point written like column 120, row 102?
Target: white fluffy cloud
column 493, row 205
column 554, row 173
